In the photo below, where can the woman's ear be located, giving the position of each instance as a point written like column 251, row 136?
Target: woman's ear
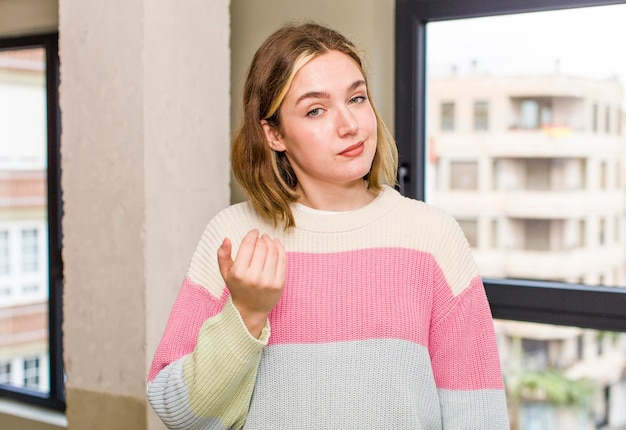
column 272, row 136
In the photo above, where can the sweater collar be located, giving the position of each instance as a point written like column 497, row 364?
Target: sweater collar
column 333, row 222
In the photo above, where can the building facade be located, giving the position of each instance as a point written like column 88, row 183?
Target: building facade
column 532, row 167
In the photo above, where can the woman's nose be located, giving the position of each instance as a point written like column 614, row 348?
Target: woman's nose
column 347, row 123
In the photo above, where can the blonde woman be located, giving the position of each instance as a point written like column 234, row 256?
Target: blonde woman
column 328, row 300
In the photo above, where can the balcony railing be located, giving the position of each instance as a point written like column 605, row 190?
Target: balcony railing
column 528, row 144
column 527, row 204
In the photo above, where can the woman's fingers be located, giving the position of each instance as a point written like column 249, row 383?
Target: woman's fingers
column 257, row 262
column 281, row 265
column 260, row 262
column 255, row 278
column 224, row 258
column 246, row 249
column 270, row 262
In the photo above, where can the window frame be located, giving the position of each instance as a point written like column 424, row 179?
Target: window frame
column 586, row 306
column 480, row 116
column 55, row 399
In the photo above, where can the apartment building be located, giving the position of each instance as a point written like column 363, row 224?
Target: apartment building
column 532, row 167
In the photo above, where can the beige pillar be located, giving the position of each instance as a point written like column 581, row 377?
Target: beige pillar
column 145, row 113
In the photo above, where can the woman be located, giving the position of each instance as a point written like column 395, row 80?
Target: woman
column 328, row 301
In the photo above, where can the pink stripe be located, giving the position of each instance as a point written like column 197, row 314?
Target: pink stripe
column 364, row 294
column 463, row 344
column 193, row 306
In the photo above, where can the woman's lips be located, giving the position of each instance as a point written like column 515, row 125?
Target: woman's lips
column 354, row 150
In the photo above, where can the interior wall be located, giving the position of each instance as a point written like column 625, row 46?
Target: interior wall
column 20, row 17
column 368, row 23
column 145, row 112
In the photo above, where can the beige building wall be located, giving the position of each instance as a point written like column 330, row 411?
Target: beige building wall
column 146, row 101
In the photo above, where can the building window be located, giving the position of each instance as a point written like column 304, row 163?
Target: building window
column 535, row 113
column 607, row 120
column 538, row 174
column 602, row 238
column 537, row 235
column 536, row 351
column 31, row 373
column 594, row 118
column 5, row 372
column 470, row 229
column 582, row 233
column 447, row 116
column 481, row 115
column 463, row 175
column 30, row 251
column 529, row 110
column 30, row 289
column 31, row 267
column 4, row 253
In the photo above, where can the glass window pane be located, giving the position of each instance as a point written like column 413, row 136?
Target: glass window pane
column 562, row 377
column 540, row 191
column 447, row 116
column 548, row 165
column 481, row 115
column 463, row 175
column 23, row 220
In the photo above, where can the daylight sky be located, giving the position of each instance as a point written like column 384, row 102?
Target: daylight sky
column 588, row 42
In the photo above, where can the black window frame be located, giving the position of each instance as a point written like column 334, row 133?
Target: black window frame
column 586, row 306
column 55, row 399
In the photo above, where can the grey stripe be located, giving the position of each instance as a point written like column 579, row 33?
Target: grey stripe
column 372, row 384
column 459, row 410
column 169, row 397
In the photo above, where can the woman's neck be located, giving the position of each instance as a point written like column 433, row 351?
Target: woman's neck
column 340, row 198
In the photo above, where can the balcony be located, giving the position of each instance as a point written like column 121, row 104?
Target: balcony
column 531, row 204
column 548, row 265
column 558, row 204
column 528, row 144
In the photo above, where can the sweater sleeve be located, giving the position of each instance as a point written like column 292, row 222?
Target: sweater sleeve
column 204, row 369
column 462, row 342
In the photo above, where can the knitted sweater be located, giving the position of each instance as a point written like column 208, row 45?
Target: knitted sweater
column 383, row 324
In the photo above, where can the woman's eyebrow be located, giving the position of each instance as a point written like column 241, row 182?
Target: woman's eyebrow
column 325, row 94
column 356, row 84
column 313, row 95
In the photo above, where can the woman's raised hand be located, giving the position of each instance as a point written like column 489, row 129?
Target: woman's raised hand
column 255, row 278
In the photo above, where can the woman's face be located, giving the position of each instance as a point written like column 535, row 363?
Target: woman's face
column 328, row 127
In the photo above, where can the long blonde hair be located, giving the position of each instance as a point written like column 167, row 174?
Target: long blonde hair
column 266, row 175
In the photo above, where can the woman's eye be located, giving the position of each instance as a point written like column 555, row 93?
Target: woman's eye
column 314, row 112
column 357, row 99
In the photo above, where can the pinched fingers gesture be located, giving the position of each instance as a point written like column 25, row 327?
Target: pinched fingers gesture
column 255, row 277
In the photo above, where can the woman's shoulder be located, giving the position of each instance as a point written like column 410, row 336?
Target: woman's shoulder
column 237, row 220
column 413, row 210
column 241, row 211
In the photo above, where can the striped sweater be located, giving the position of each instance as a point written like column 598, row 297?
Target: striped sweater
column 383, row 324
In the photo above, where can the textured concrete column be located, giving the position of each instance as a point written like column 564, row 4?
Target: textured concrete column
column 145, row 114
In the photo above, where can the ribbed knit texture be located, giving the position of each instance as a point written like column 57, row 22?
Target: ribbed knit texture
column 383, row 324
